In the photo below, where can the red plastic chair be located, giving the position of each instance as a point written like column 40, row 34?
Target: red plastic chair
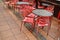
column 29, row 19
column 42, row 22
column 13, row 2
column 24, row 12
column 41, row 7
column 7, row 2
column 50, row 9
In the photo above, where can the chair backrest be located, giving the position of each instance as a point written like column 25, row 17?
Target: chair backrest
column 42, row 20
column 24, row 12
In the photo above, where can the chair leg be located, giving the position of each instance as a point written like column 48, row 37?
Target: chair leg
column 48, row 30
column 49, row 26
column 21, row 25
column 37, row 30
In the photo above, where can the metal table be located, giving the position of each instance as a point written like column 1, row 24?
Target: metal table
column 22, row 3
column 45, row 4
column 42, row 12
column 55, row 3
column 18, row 3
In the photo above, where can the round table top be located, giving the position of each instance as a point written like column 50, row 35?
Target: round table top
column 45, row 4
column 22, row 3
column 42, row 12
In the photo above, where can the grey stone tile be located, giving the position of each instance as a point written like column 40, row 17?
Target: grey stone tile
column 16, row 30
column 9, row 38
column 21, row 37
column 4, row 27
column 6, row 33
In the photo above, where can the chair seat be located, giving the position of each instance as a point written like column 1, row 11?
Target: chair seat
column 42, row 24
column 29, row 20
column 42, row 21
column 32, row 15
column 40, row 6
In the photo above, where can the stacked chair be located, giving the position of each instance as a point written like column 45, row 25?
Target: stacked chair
column 43, row 21
column 28, row 16
column 12, row 3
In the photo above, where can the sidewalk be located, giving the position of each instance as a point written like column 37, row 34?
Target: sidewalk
column 10, row 26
